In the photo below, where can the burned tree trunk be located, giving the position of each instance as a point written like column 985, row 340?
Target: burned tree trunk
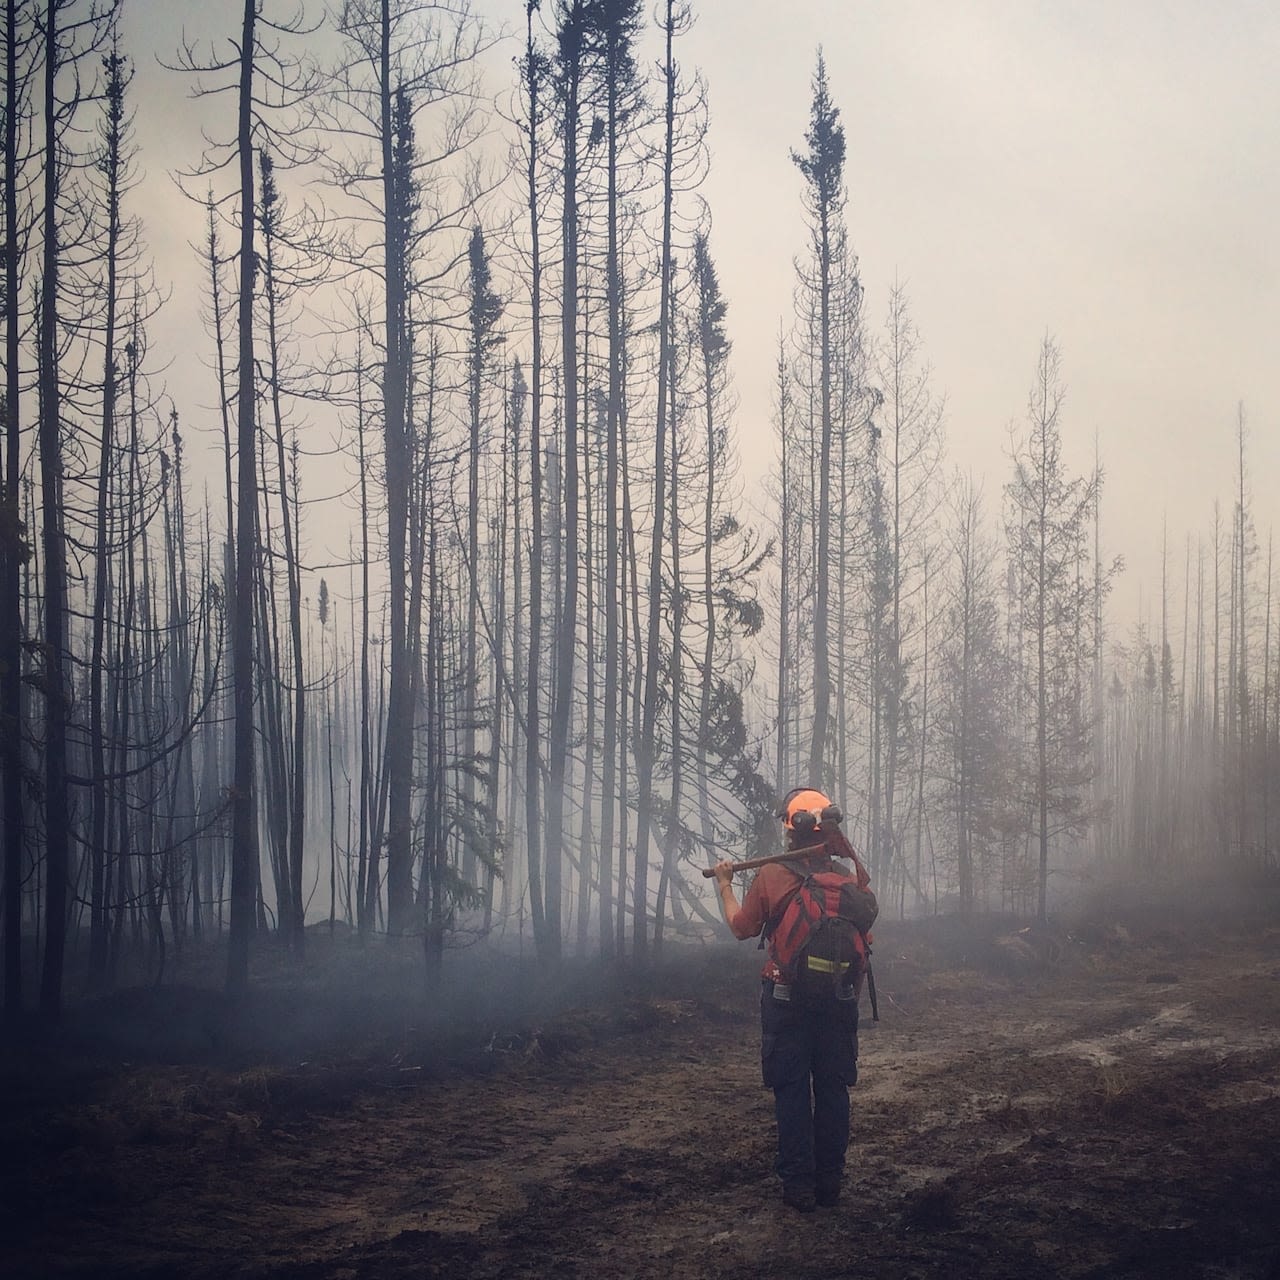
column 244, row 809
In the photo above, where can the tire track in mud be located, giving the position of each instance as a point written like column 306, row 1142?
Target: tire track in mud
column 1093, row 1153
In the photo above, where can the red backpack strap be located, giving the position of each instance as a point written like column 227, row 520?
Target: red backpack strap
column 795, row 925
column 801, row 871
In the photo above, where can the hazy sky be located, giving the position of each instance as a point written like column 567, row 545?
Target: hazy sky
column 1106, row 172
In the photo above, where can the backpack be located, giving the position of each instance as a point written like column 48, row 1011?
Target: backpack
column 819, row 940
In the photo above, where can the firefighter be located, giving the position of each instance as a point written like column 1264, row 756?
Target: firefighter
column 809, row 1055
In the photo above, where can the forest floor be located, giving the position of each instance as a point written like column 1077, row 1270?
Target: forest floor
column 1099, row 1101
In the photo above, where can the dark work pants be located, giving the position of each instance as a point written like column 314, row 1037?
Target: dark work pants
column 809, row 1059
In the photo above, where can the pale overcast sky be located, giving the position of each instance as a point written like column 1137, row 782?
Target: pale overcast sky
column 1106, row 171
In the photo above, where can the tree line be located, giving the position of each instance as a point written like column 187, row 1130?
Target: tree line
column 537, row 654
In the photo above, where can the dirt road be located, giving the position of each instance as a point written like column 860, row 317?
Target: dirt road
column 1101, row 1107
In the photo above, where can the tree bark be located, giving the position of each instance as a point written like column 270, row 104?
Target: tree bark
column 56, row 798
column 399, row 749
column 11, row 550
column 533, row 708
column 244, row 808
column 572, row 48
column 652, row 655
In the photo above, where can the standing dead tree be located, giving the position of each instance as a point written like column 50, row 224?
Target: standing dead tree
column 72, row 34
column 266, row 113
column 912, row 446
column 410, row 201
column 1047, row 520
column 19, row 39
column 822, row 166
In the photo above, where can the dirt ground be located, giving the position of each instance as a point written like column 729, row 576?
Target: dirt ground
column 1088, row 1103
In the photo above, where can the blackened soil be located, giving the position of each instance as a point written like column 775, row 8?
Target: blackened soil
column 1097, row 1104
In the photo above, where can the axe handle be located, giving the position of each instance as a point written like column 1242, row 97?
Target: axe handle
column 818, row 851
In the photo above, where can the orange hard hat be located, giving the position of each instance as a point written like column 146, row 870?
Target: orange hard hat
column 803, row 800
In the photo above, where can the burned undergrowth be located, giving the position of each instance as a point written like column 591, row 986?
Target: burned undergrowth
column 1068, row 1100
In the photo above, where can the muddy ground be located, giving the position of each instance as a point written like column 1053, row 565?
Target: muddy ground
column 1087, row 1102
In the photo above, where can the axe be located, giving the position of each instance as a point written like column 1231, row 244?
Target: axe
column 835, row 844
column 815, row 851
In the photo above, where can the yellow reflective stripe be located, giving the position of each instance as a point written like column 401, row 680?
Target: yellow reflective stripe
column 826, row 966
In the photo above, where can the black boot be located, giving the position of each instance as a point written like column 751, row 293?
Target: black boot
column 827, row 1192
column 799, row 1196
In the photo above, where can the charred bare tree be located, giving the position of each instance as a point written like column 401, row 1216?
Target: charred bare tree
column 244, row 807
column 183, row 641
column 112, row 165
column 675, row 588
column 72, row 32
column 675, row 18
column 571, row 55
column 1047, row 518
column 401, row 58
column 617, row 33
column 787, row 542
column 483, row 313
column 398, row 201
column 266, row 108
column 536, row 71
column 18, row 36
column 822, row 166
column 731, row 557
column 712, row 353
column 912, row 448
column 973, row 717
column 367, row 861
column 270, row 214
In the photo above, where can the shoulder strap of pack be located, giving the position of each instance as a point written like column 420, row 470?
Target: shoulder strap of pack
column 804, row 870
